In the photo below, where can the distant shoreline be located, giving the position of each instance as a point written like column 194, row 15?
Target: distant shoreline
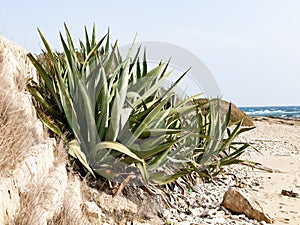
column 280, row 120
column 282, row 112
column 277, row 117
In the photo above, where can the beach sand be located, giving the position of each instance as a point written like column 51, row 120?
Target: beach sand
column 279, row 143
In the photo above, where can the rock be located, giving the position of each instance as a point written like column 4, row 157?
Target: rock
column 33, row 182
column 15, row 66
column 196, row 212
column 112, row 204
column 33, row 170
column 219, row 220
column 240, row 202
column 166, row 214
column 15, row 69
column 36, row 164
column 290, row 193
column 138, row 223
column 73, row 210
column 93, row 212
column 236, row 114
column 9, row 200
column 47, row 197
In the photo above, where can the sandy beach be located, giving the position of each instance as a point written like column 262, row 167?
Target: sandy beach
column 276, row 150
column 279, row 143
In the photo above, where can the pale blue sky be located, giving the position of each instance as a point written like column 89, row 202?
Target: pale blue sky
column 252, row 47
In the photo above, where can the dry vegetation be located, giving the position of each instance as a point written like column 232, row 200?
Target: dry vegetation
column 16, row 138
column 15, row 134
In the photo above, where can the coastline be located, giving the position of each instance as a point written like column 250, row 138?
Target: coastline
column 282, row 112
column 276, row 119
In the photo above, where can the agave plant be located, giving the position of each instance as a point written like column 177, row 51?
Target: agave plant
column 112, row 112
column 218, row 146
column 117, row 118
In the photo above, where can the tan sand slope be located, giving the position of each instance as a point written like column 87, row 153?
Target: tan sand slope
column 279, row 141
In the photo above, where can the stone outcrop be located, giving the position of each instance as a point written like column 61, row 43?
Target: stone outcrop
column 10, row 200
column 34, row 170
column 14, row 65
column 240, row 202
column 236, row 114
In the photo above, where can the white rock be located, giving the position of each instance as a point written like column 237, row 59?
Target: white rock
column 93, row 211
column 15, row 65
column 50, row 200
column 9, row 200
column 193, row 194
column 196, row 211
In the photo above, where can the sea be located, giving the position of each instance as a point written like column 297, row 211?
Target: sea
column 284, row 112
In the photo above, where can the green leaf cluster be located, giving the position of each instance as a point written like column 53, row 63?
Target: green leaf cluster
column 118, row 118
column 219, row 147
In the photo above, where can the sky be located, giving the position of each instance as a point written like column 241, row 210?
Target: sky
column 252, row 47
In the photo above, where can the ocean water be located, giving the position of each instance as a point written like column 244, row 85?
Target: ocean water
column 276, row 111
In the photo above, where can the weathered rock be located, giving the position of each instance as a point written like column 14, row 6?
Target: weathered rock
column 9, row 200
column 93, row 212
column 236, row 114
column 241, row 202
column 36, row 165
column 14, row 65
column 15, row 69
column 48, row 195
column 112, row 204
column 35, row 183
column 138, row 223
column 73, row 210
column 19, row 123
column 32, row 170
